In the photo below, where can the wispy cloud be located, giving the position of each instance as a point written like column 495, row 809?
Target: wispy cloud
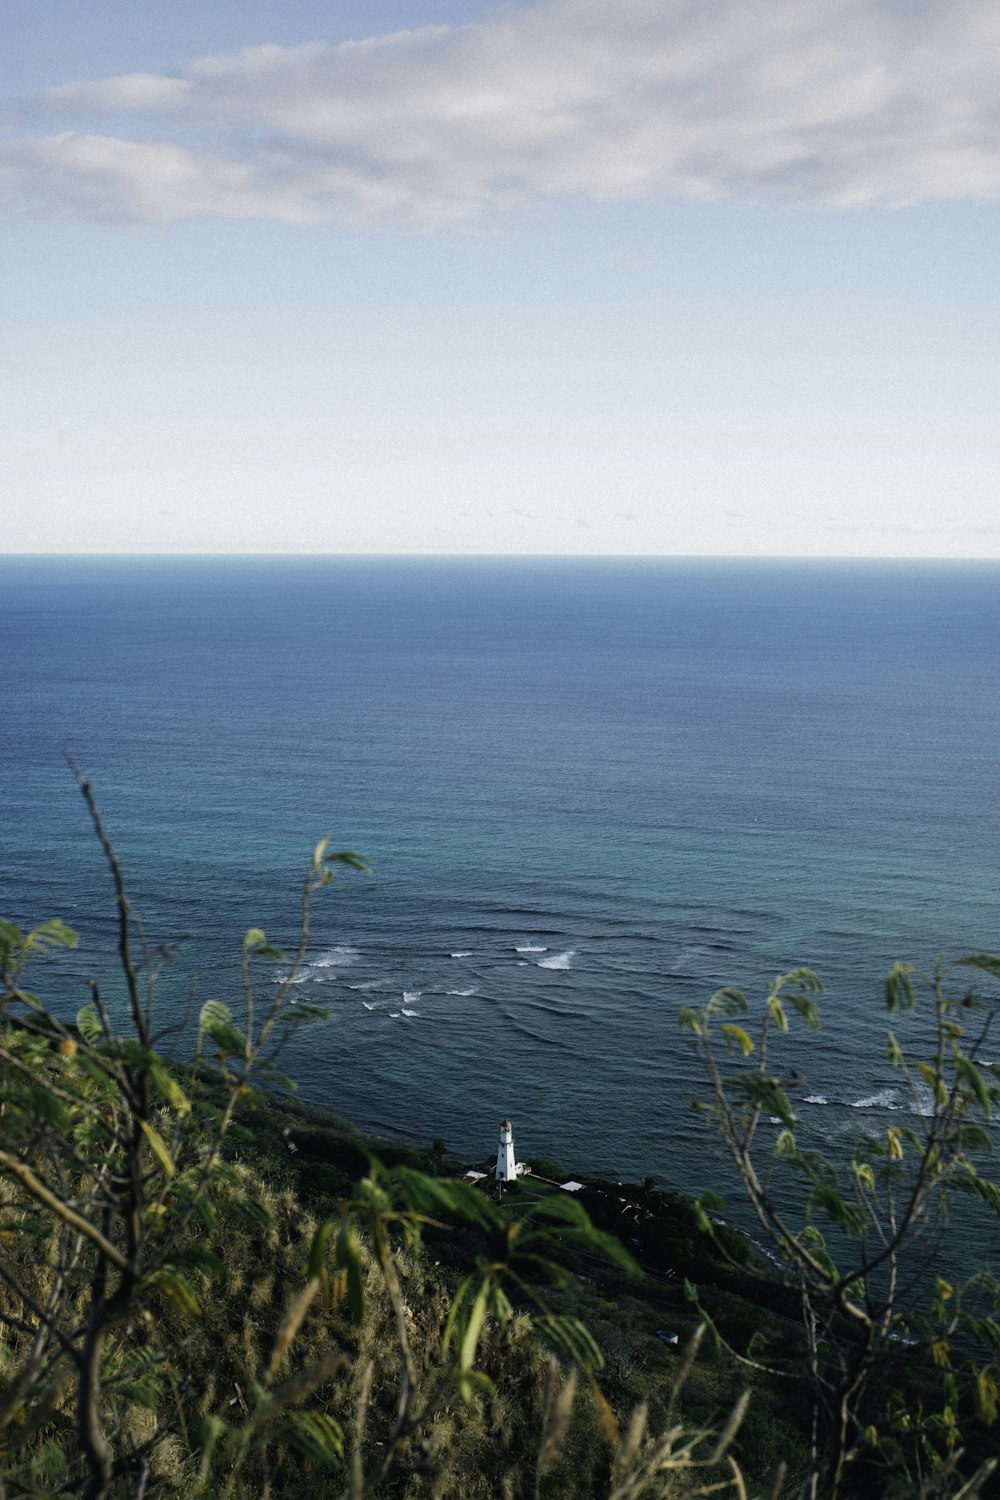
column 840, row 102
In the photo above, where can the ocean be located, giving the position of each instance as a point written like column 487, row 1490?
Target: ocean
column 592, row 791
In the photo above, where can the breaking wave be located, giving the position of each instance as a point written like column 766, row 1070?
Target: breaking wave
column 335, row 958
column 558, row 960
column 314, row 969
column 884, row 1099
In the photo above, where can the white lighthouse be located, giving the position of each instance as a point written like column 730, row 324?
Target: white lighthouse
column 506, row 1166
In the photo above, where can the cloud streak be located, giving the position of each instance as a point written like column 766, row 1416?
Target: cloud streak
column 834, row 102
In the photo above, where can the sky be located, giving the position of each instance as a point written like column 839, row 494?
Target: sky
column 642, row 277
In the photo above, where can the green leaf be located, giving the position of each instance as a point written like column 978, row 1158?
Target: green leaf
column 814, row 1166
column 899, row 991
column 199, row 1258
column 766, row 1093
column 177, row 1287
column 51, row 934
column 707, row 1206
column 88, row 1024
column 348, row 1256
column 11, row 939
column 273, row 1075
column 170, row 1089
column 348, row 857
column 570, row 1340
column 810, row 1238
column 303, row 1014
column 212, row 1013
column 560, row 1208
column 572, row 1221
column 736, row 1037
column 444, row 1196
column 800, row 985
column 318, row 1248
column 453, row 1311
column 159, row 1147
column 973, row 1138
column 934, row 1082
column 470, row 1338
column 727, row 1002
column 210, row 1431
column 987, row 963
column 987, row 1396
column 987, row 1191
column 250, row 1211
column 556, row 1274
column 847, row 1216
column 500, row 1304
column 893, row 1051
column 776, row 1011
column 315, row 1434
column 216, row 1022
column 321, row 860
column 688, row 1020
column 256, row 944
column 470, row 1381
column 974, row 1082
column 36, row 1100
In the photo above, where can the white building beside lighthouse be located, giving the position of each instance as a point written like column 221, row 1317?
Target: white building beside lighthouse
column 506, row 1165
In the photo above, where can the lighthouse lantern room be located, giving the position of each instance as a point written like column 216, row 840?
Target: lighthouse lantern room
column 506, row 1166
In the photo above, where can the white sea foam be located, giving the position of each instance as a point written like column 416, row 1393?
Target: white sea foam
column 394, row 1014
column 462, row 994
column 531, row 948
column 313, row 970
column 465, row 953
column 335, row 958
column 409, row 996
column 815, row 1099
column 884, row 1099
column 369, row 1005
column 924, row 1103
column 558, row 960
column 369, row 984
column 410, row 1012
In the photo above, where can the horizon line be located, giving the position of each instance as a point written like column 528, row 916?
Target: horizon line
column 582, row 557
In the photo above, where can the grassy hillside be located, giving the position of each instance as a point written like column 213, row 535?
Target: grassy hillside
column 209, row 1289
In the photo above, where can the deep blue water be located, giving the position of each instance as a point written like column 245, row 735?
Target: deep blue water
column 610, row 786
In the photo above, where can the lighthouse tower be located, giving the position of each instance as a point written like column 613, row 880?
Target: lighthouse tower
column 506, row 1167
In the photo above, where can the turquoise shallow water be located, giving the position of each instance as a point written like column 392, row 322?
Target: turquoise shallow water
column 592, row 791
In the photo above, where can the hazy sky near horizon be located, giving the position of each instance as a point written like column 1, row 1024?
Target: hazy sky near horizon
column 574, row 276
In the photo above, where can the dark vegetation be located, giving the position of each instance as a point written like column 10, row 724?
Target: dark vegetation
column 209, row 1288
